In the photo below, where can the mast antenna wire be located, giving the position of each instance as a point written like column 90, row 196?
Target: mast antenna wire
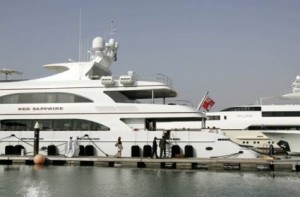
column 112, row 28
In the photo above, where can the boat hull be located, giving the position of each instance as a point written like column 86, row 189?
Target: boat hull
column 205, row 144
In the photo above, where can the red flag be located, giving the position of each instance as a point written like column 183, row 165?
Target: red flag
column 208, row 103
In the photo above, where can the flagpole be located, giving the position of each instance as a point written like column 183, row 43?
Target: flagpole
column 202, row 100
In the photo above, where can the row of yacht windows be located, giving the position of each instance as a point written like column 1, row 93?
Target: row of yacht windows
column 58, row 97
column 274, row 127
column 265, row 114
column 52, row 125
column 247, row 108
column 213, row 117
column 51, row 97
column 281, row 114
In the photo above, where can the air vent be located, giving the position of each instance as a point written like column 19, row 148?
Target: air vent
column 107, row 80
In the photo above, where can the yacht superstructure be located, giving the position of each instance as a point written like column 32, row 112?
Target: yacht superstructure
column 85, row 101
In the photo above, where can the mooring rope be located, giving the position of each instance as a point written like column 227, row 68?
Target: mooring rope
column 86, row 136
column 21, row 140
column 13, row 135
column 227, row 156
column 5, row 137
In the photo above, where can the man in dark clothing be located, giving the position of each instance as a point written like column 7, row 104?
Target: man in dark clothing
column 154, row 148
column 271, row 150
column 162, row 146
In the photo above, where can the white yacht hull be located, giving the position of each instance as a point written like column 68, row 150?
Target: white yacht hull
column 204, row 143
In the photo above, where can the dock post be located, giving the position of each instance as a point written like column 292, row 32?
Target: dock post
column 272, row 167
column 36, row 139
column 141, row 164
column 297, row 168
column 111, row 164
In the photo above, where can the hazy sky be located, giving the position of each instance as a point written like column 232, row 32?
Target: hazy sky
column 238, row 50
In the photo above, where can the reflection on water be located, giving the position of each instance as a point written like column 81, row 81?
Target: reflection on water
column 30, row 181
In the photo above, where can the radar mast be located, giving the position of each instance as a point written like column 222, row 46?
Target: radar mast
column 7, row 72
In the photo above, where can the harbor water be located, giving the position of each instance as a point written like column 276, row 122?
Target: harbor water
column 31, row 181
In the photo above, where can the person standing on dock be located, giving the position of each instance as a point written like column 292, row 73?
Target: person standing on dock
column 162, row 146
column 119, row 147
column 154, row 148
column 76, row 146
column 271, row 150
column 69, row 148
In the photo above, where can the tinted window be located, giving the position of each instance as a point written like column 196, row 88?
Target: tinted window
column 52, row 125
column 242, row 109
column 281, row 114
column 43, row 98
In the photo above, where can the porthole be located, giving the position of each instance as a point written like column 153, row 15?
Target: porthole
column 208, row 148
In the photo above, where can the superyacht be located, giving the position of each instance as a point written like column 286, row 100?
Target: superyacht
column 83, row 101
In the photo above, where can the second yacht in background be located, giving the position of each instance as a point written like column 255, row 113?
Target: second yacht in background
column 246, row 124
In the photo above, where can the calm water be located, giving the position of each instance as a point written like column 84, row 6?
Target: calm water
column 21, row 180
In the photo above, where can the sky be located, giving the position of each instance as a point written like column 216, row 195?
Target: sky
column 238, row 50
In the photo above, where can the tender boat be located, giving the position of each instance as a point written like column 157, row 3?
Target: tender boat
column 84, row 102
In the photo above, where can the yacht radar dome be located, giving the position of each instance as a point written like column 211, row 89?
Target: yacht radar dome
column 98, row 44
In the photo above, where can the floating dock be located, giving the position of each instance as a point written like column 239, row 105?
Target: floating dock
column 259, row 164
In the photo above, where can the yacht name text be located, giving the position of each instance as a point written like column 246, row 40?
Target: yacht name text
column 40, row 108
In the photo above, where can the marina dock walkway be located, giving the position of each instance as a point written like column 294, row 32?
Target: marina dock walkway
column 172, row 163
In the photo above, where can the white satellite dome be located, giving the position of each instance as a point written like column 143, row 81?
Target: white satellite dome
column 98, row 44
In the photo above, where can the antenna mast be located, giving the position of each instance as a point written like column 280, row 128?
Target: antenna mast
column 9, row 72
column 79, row 43
column 112, row 29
